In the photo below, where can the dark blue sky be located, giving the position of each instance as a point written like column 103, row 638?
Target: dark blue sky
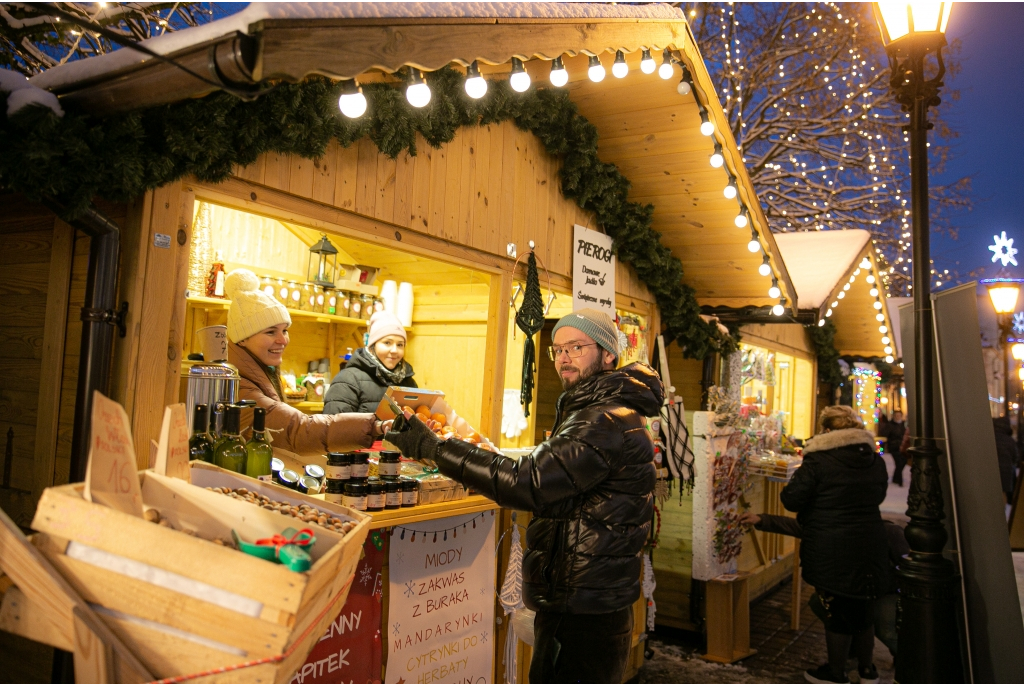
column 990, row 120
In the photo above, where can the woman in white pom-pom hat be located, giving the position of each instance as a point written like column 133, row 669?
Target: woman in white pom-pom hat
column 257, row 336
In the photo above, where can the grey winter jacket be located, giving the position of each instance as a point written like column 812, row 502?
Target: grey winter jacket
column 357, row 387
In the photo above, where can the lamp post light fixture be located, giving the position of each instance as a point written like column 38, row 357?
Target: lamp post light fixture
column 1004, row 292
column 929, row 635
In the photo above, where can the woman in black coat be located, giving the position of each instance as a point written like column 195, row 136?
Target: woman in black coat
column 843, row 553
column 360, row 386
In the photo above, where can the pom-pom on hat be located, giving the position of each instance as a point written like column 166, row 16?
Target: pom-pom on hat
column 252, row 310
column 383, row 324
column 595, row 323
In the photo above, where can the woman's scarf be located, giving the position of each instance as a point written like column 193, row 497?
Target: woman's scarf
column 385, row 375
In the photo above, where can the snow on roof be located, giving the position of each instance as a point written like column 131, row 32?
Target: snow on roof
column 168, row 43
column 816, row 260
column 23, row 93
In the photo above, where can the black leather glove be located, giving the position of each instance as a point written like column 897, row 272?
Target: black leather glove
column 416, row 441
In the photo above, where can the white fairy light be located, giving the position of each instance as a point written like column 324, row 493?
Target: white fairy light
column 476, row 85
column 619, row 67
column 519, row 79
column 665, row 70
column 352, row 102
column 596, row 70
column 647, row 63
column 417, row 92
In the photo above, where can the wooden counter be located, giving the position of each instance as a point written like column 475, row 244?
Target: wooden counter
column 428, row 512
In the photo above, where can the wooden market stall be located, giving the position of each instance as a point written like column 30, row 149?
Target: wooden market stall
column 450, row 220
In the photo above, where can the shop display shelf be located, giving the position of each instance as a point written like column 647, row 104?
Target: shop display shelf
column 220, row 303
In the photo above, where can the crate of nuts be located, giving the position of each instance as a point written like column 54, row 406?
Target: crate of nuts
column 172, row 586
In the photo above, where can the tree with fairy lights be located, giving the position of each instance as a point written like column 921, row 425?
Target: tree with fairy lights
column 34, row 37
column 805, row 87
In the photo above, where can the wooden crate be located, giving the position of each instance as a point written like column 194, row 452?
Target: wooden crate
column 185, row 605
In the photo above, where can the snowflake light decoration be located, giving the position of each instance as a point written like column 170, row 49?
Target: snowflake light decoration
column 1003, row 249
column 1018, row 323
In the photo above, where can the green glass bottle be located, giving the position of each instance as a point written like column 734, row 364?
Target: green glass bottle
column 229, row 452
column 200, row 446
column 258, row 450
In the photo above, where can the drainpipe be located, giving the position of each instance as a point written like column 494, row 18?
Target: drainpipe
column 100, row 317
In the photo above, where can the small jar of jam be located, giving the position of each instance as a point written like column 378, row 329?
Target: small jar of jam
column 410, row 493
column 334, row 491
column 275, row 469
column 289, row 479
column 314, row 471
column 309, row 485
column 392, row 494
column 389, row 464
column 360, row 465
column 376, row 495
column 355, row 495
column 339, row 466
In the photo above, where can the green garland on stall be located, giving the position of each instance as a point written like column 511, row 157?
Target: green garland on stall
column 823, row 339
column 76, row 157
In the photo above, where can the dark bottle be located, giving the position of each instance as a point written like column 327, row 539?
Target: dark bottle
column 229, row 452
column 199, row 445
column 258, row 451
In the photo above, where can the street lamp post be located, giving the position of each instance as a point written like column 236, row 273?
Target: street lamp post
column 1017, row 352
column 929, row 637
column 1003, row 292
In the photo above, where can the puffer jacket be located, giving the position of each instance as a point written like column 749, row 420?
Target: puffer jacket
column 358, row 387
column 836, row 493
column 289, row 428
column 590, row 488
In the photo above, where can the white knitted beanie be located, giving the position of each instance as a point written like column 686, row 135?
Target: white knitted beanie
column 252, row 310
column 383, row 324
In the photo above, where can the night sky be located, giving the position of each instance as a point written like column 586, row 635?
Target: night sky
column 990, row 119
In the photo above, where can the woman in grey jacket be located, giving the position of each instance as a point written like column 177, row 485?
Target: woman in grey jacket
column 360, row 386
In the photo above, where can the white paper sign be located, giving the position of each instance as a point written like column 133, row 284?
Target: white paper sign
column 441, row 611
column 111, row 474
column 593, row 271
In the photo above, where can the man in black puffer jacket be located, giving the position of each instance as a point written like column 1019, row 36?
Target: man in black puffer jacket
column 590, row 488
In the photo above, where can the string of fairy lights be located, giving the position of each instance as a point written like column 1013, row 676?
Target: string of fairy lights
column 352, row 104
column 872, row 280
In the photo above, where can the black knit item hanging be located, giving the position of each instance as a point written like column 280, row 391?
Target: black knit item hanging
column 530, row 319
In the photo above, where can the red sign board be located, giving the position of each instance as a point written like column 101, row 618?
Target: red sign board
column 350, row 650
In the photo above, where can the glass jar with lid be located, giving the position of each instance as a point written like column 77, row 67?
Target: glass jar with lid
column 294, row 296
column 331, row 301
column 355, row 305
column 307, row 300
column 267, row 286
column 281, row 291
column 367, row 301
column 319, row 301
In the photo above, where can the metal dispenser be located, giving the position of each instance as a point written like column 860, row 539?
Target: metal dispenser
column 214, row 384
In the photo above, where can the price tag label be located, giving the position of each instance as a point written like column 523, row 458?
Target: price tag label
column 172, row 450
column 111, row 476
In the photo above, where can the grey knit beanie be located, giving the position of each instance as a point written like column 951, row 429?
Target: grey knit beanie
column 594, row 323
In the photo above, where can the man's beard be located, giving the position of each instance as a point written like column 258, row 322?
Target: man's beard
column 583, row 374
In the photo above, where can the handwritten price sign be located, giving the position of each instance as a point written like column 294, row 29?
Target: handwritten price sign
column 111, row 477
column 172, row 450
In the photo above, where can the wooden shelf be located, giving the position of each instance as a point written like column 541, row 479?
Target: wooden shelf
column 219, row 303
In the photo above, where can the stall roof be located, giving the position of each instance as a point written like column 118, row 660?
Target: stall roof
column 651, row 132
column 834, row 273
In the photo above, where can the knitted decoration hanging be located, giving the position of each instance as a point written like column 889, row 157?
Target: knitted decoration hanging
column 530, row 319
column 511, row 600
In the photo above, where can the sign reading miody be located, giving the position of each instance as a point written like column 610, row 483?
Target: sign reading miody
column 593, row 271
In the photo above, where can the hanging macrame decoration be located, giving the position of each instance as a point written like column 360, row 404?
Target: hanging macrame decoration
column 530, row 319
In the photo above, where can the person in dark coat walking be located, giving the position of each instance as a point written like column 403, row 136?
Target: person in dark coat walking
column 843, row 553
column 1006, row 451
column 360, row 386
column 590, row 487
column 894, row 432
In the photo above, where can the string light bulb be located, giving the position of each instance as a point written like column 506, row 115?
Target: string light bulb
column 877, row 305
column 885, row 340
column 685, row 85
column 518, row 79
column 620, row 68
column 883, row 329
column 559, row 76
column 879, row 317
column 741, row 219
column 888, row 349
column 821, row 322
column 730, row 188
column 647, row 63
column 780, row 308
column 765, row 267
column 774, row 291
column 417, row 92
column 717, row 159
column 889, row 359
column 665, row 70
column 707, row 127
column 476, row 85
column 352, row 102
column 755, row 243
column 596, row 69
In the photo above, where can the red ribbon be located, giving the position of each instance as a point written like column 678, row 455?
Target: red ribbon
column 303, row 537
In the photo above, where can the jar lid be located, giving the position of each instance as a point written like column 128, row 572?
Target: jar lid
column 355, row 487
column 289, row 478
column 314, row 471
column 390, row 455
column 392, row 485
column 309, row 484
column 360, row 457
column 276, row 464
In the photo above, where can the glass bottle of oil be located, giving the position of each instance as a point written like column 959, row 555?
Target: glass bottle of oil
column 200, row 446
column 258, row 450
column 229, row 451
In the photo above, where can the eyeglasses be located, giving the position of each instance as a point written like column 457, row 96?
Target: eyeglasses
column 574, row 351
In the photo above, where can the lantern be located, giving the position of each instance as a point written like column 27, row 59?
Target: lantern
column 1003, row 293
column 323, row 263
column 909, row 25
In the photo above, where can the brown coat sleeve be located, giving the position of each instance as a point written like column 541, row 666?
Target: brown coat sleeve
column 306, row 434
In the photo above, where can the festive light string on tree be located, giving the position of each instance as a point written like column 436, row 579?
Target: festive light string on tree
column 79, row 157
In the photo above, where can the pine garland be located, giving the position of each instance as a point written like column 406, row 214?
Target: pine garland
column 78, row 157
column 823, row 337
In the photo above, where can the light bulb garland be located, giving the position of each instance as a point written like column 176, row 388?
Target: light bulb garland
column 595, row 70
column 476, row 85
column 559, row 76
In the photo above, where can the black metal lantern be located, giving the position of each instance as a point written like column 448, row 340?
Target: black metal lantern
column 323, row 263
